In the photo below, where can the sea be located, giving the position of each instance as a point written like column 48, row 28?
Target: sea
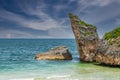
column 17, row 62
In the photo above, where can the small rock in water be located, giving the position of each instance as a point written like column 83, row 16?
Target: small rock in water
column 57, row 53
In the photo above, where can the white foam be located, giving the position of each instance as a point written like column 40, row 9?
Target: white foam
column 58, row 76
column 23, row 79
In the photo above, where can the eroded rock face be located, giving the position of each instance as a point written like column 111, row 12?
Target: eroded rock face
column 57, row 53
column 91, row 49
column 86, row 37
column 108, row 51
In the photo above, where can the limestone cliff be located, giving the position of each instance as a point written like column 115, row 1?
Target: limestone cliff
column 86, row 37
column 108, row 51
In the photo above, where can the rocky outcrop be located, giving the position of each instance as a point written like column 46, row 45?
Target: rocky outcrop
column 108, row 51
column 86, row 37
column 57, row 53
column 91, row 49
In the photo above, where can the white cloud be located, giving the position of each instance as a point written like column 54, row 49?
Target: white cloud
column 46, row 23
column 14, row 34
column 84, row 4
column 103, row 15
column 60, row 33
column 53, row 26
column 87, row 3
column 20, row 34
column 6, row 15
column 117, row 21
column 8, row 35
column 101, row 2
column 53, row 33
column 59, row 7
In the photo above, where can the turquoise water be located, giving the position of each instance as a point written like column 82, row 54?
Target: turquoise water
column 17, row 62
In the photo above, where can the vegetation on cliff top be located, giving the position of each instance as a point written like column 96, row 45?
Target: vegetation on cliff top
column 71, row 15
column 81, row 22
column 86, row 24
column 113, row 34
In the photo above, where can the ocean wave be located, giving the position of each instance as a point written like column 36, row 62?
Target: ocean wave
column 58, row 76
column 23, row 79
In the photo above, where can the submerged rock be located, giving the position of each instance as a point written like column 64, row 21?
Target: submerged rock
column 108, row 51
column 86, row 37
column 57, row 53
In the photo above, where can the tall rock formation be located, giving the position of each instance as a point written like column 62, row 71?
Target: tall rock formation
column 108, row 51
column 86, row 37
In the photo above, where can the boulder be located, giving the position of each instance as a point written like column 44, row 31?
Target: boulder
column 86, row 37
column 57, row 53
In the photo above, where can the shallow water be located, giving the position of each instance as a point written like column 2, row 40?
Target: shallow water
column 17, row 62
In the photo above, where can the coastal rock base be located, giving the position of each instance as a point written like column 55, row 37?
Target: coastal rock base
column 91, row 48
column 57, row 53
column 108, row 52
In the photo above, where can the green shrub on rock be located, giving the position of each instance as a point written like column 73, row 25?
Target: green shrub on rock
column 88, row 33
column 86, row 24
column 113, row 34
column 70, row 15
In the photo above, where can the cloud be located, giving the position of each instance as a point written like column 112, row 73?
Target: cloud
column 60, row 33
column 14, row 34
column 87, row 3
column 43, row 22
column 46, row 23
column 101, row 2
column 50, row 18
column 9, row 33
column 103, row 14
column 10, row 16
column 83, row 5
column 117, row 21
column 59, row 7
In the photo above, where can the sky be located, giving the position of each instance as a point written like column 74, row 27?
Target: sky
column 49, row 18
